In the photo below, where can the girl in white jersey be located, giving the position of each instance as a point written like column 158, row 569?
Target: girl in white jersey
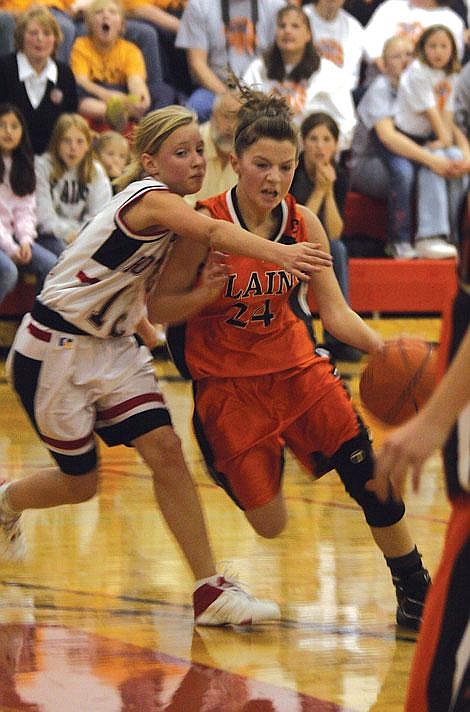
column 78, row 370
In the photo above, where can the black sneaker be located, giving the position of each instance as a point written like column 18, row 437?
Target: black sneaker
column 411, row 594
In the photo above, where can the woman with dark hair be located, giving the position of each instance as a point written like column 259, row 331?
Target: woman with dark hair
column 41, row 87
column 321, row 184
column 18, row 205
column 259, row 384
column 292, row 68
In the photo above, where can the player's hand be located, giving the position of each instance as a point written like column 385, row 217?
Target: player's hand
column 403, row 452
column 305, row 258
column 214, row 274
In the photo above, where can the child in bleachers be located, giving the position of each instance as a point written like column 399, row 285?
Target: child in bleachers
column 110, row 71
column 18, row 248
column 71, row 186
column 113, row 152
column 424, row 112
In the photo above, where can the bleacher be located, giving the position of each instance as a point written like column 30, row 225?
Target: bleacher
column 377, row 285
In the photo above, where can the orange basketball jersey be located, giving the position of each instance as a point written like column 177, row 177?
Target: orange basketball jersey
column 251, row 329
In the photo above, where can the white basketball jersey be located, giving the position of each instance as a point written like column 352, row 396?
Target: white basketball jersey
column 99, row 282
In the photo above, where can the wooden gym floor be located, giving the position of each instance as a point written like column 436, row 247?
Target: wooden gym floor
column 98, row 617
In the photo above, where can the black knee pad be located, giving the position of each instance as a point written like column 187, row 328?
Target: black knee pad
column 354, row 463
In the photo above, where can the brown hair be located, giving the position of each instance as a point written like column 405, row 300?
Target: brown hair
column 44, row 17
column 453, row 65
column 86, row 169
column 263, row 116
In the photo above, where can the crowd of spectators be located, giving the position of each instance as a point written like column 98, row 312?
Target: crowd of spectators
column 398, row 114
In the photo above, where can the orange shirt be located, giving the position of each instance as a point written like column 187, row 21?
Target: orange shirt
column 124, row 59
column 250, row 329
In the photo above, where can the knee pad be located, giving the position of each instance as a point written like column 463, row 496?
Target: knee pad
column 354, row 463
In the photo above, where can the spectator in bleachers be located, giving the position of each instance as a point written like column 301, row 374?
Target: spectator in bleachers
column 110, row 71
column 165, row 16
column 18, row 246
column 321, row 184
column 72, row 187
column 376, row 133
column 338, row 36
column 217, row 134
column 223, row 34
column 41, row 87
column 462, row 100
column 112, row 150
column 11, row 9
column 409, row 18
column 147, row 39
column 424, row 112
column 291, row 67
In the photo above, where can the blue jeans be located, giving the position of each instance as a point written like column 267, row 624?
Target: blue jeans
column 341, row 270
column 440, row 200
column 201, row 101
column 402, row 177
column 42, row 261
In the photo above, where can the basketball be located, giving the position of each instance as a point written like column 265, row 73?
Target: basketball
column 399, row 379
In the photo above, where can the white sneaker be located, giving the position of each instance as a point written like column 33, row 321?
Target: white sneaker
column 401, row 251
column 220, row 601
column 12, row 543
column 435, row 248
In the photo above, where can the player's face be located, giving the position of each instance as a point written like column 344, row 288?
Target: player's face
column 11, row 132
column 180, row 161
column 320, row 145
column 438, row 49
column 265, row 171
column 73, row 147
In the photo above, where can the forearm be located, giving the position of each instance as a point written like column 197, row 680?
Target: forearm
column 396, row 142
column 348, row 327
column 204, row 76
column 226, row 237
column 333, row 222
column 94, row 89
column 315, row 200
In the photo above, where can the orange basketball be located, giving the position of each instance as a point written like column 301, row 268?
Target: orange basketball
column 399, row 379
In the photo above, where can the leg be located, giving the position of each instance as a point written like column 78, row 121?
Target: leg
column 400, row 202
column 270, row 519
column 432, row 203
column 8, row 275
column 42, row 262
column 51, row 243
column 177, row 497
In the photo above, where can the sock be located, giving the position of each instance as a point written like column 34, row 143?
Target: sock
column 403, row 566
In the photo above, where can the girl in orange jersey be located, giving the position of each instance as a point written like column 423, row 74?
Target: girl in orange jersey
column 259, row 384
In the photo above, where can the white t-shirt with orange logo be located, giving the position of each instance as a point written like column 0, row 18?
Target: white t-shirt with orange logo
column 421, row 88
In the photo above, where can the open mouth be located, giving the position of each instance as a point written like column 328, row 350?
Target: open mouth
column 105, row 27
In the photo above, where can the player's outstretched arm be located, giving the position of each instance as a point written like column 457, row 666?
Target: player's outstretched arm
column 165, row 209
column 407, row 448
